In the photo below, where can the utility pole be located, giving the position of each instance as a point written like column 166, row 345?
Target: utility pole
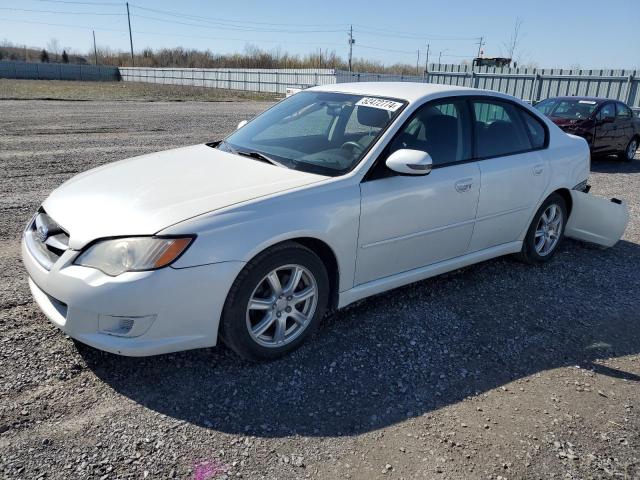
column 418, row 63
column 440, row 55
column 426, row 62
column 95, row 50
column 351, row 42
column 480, row 43
column 130, row 36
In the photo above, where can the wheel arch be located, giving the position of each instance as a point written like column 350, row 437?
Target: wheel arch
column 566, row 196
column 326, row 254
column 328, row 257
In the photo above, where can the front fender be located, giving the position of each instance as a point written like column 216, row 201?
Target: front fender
column 329, row 213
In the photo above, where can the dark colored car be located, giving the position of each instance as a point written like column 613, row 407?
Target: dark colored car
column 609, row 126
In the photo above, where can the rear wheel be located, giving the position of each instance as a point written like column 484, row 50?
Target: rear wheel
column 630, row 152
column 546, row 231
column 275, row 303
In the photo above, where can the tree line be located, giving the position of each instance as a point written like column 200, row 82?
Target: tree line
column 179, row 57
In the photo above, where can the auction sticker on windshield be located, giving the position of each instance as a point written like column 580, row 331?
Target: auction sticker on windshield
column 379, row 103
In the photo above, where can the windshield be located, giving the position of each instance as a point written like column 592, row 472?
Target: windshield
column 567, row 108
column 319, row 132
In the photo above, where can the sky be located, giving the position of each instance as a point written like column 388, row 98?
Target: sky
column 553, row 33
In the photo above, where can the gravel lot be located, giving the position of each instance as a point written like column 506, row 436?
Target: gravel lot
column 499, row 370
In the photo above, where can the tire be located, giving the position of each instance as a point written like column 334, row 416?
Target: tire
column 277, row 321
column 532, row 252
column 629, row 152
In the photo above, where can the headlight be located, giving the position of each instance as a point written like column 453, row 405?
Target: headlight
column 133, row 254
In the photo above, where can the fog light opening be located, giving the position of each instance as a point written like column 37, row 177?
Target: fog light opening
column 124, row 325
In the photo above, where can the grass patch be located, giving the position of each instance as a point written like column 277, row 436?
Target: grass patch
column 11, row 89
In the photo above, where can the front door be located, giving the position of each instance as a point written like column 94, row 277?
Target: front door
column 407, row 222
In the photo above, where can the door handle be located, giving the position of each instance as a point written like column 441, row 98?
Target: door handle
column 464, row 185
column 538, row 169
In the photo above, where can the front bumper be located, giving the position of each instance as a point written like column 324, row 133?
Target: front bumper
column 136, row 313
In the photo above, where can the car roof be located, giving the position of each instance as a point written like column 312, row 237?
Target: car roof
column 410, row 91
column 598, row 100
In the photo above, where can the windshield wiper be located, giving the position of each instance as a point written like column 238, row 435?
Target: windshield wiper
column 259, row 156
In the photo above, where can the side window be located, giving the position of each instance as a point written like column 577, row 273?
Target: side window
column 623, row 111
column 499, row 129
column 607, row 110
column 442, row 130
column 537, row 132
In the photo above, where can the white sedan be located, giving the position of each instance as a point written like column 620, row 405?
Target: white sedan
column 332, row 195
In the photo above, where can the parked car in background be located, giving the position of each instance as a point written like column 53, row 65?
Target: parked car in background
column 609, row 126
column 334, row 194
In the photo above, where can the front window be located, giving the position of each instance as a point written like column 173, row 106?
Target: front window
column 319, row 132
column 572, row 109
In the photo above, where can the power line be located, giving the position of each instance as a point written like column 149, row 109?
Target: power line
column 58, row 12
column 223, row 26
column 223, row 20
column 118, row 4
column 66, row 25
column 391, row 33
column 406, row 52
column 249, row 40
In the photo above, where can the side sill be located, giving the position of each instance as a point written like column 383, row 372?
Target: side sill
column 400, row 279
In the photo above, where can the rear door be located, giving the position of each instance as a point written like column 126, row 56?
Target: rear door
column 606, row 134
column 514, row 173
column 624, row 121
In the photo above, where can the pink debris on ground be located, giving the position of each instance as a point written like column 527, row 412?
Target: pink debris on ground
column 208, row 469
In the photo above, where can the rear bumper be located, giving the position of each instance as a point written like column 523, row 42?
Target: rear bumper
column 136, row 313
column 597, row 220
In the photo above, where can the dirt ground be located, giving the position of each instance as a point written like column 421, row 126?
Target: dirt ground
column 499, row 370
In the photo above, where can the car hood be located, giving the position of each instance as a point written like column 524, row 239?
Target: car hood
column 143, row 195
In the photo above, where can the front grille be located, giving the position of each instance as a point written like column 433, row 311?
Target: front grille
column 46, row 240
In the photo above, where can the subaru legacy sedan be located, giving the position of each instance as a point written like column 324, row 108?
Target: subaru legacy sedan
column 334, row 194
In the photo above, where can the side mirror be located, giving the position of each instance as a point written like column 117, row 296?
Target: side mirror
column 410, row 162
column 242, row 124
column 608, row 119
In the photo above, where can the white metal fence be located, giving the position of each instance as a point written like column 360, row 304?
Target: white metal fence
column 252, row 80
column 527, row 83
column 57, row 71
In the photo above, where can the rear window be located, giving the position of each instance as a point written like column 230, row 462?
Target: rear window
column 537, row 132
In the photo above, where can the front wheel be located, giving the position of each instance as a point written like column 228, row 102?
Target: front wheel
column 276, row 302
column 546, row 231
column 630, row 152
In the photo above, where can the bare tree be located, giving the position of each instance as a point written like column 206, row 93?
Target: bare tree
column 511, row 46
column 54, row 47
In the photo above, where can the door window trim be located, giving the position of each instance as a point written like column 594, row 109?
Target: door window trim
column 519, row 109
column 371, row 174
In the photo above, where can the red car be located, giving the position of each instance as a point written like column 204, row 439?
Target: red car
column 609, row 126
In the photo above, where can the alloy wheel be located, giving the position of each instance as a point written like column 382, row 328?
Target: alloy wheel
column 282, row 305
column 631, row 149
column 548, row 230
